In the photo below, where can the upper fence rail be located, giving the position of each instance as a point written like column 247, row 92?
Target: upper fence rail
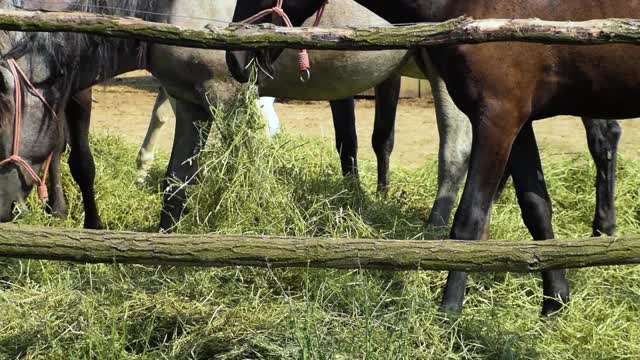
column 462, row 30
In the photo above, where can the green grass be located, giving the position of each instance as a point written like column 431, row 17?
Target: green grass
column 291, row 186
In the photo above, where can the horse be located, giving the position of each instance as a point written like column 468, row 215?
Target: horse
column 75, row 119
column 453, row 150
column 208, row 76
column 332, row 70
column 533, row 81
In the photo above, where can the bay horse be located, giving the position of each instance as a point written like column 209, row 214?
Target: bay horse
column 502, row 87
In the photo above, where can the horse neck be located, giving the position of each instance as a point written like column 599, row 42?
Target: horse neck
column 118, row 56
column 92, row 65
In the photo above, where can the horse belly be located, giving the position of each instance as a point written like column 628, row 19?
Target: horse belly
column 334, row 74
column 598, row 81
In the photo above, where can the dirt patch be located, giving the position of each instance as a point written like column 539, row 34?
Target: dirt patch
column 124, row 106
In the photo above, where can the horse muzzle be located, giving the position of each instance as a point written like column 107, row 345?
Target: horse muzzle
column 12, row 192
column 242, row 63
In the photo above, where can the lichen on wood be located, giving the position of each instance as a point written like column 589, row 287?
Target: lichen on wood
column 462, row 30
column 86, row 246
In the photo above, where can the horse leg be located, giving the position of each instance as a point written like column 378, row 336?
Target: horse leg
column 81, row 161
column 190, row 137
column 526, row 170
column 454, row 130
column 56, row 202
column 603, row 137
column 344, row 124
column 161, row 114
column 268, row 110
column 387, row 94
column 493, row 136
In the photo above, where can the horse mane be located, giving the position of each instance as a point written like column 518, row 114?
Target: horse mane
column 65, row 48
column 6, row 111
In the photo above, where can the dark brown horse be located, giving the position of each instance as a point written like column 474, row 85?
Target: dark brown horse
column 502, row 87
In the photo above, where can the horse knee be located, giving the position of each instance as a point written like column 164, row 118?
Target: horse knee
column 144, row 158
column 615, row 131
column 382, row 144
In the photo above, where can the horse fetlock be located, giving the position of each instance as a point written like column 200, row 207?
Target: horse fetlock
column 93, row 224
column 441, row 211
column 58, row 209
column 383, row 186
column 145, row 158
column 604, row 225
column 454, row 291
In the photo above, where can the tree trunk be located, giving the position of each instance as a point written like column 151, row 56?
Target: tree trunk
column 222, row 250
column 455, row 31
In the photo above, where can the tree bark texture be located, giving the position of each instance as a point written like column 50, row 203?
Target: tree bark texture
column 87, row 246
column 240, row 36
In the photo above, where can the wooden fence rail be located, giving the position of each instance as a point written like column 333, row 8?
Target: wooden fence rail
column 455, row 31
column 224, row 250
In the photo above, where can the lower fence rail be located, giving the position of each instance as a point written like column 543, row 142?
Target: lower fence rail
column 86, row 246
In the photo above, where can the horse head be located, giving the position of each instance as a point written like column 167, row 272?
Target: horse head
column 30, row 133
column 284, row 13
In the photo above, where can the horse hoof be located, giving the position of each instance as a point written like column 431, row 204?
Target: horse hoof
column 141, row 178
column 554, row 305
column 383, row 189
column 451, row 309
column 551, row 308
column 93, row 225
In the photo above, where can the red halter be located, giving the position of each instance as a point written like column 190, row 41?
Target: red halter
column 304, row 64
column 41, row 183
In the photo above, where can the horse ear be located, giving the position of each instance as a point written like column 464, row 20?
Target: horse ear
column 47, row 5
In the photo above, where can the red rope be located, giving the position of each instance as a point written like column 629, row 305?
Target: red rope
column 304, row 64
column 15, row 157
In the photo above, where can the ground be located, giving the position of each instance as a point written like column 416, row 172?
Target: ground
column 131, row 99
column 291, row 186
